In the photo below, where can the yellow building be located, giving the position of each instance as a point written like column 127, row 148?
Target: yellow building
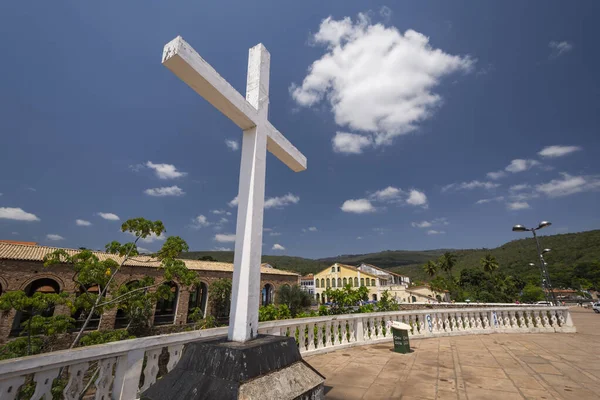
column 340, row 275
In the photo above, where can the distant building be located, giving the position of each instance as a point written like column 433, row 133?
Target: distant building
column 377, row 280
column 307, row 283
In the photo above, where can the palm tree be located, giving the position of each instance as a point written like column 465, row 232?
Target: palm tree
column 489, row 263
column 430, row 268
column 447, row 262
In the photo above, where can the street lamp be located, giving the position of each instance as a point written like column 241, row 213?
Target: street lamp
column 544, row 271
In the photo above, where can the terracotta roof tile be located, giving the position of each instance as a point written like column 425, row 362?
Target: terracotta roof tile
column 10, row 251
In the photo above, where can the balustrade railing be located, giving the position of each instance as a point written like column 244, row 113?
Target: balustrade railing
column 122, row 370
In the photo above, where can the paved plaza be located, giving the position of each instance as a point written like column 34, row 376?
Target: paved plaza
column 498, row 366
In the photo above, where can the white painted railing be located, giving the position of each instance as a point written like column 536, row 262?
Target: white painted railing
column 121, row 370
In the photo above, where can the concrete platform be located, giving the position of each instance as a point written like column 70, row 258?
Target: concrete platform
column 499, row 366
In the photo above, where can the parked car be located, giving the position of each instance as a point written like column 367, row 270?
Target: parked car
column 596, row 307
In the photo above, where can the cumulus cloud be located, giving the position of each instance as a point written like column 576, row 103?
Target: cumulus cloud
column 422, row 224
column 493, row 199
column 200, row 221
column 517, row 205
column 277, row 246
column 54, row 237
column 165, row 191
column 225, row 238
column 312, row 229
column 143, row 250
column 520, row 165
column 518, row 188
column 434, row 232
column 429, row 224
column 222, row 249
column 82, row 222
column 559, row 48
column 358, row 206
column 220, row 212
column 377, row 80
column 568, row 185
column 558, row 151
column 416, row 198
column 389, row 193
column 165, row 171
column 108, row 216
column 496, row 175
column 149, row 239
column 274, row 233
column 232, row 144
column 470, row 185
column 234, row 202
column 279, row 202
column 17, row 214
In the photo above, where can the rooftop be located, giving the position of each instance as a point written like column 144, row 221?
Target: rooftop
column 33, row 252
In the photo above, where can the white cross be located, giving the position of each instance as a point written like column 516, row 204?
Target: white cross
column 250, row 114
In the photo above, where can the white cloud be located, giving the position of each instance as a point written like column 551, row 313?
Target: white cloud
column 278, row 202
column 225, row 238
column 109, row 216
column 568, row 185
column 422, row 224
column 222, row 249
column 434, row 232
column 517, row 205
column 165, row 171
column 200, row 221
column 559, row 48
column 520, row 165
column 274, row 233
column 350, row 143
column 389, row 193
column 234, row 202
column 517, row 188
column 149, row 239
column 358, row 206
column 558, row 151
column 82, row 222
column 359, row 238
column 267, row 229
column 470, row 185
column 232, row 144
column 416, row 198
column 312, row 229
column 54, row 237
column 220, row 212
column 496, row 175
column 17, row 214
column 493, row 199
column 377, row 80
column 143, row 250
column 277, row 246
column 165, row 191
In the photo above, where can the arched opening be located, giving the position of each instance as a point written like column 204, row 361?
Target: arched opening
column 438, row 297
column 316, row 283
column 198, row 300
column 122, row 319
column 345, row 282
column 323, row 301
column 339, row 282
column 374, row 297
column 372, row 282
column 333, row 282
column 368, row 282
column 267, row 294
column 318, row 298
column 166, row 308
column 362, row 281
column 80, row 315
column 356, row 281
column 44, row 285
column 322, row 282
column 328, row 282
column 414, row 299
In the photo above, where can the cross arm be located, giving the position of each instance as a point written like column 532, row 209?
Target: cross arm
column 281, row 148
column 184, row 62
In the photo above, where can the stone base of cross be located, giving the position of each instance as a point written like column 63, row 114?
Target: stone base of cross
column 251, row 115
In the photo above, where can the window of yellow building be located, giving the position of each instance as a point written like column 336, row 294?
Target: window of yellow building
column 339, row 282
column 356, row 281
column 368, row 282
column 328, row 283
column 316, row 283
column 345, row 281
column 362, row 281
column 372, row 282
column 333, row 282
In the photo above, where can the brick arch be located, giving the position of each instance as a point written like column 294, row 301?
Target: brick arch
column 47, row 275
column 270, row 297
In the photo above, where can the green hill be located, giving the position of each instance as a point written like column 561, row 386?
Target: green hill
column 300, row 265
column 568, row 250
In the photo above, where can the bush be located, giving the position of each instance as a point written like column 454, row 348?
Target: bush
column 101, row 337
column 273, row 312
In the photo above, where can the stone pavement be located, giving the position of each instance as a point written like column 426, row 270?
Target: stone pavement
column 498, row 366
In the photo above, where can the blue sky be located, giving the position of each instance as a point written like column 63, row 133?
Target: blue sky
column 402, row 110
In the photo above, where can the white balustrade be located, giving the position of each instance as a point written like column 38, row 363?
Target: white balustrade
column 115, row 370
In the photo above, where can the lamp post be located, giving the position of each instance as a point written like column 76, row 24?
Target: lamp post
column 544, row 271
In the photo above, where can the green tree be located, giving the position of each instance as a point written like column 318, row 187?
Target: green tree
column 430, row 268
column 345, row 299
column 489, row 263
column 294, row 298
column 532, row 293
column 387, row 302
column 220, row 298
column 447, row 262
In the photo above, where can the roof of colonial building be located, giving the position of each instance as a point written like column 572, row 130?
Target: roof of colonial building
column 28, row 252
column 385, row 270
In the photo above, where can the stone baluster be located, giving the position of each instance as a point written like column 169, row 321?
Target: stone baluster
column 344, row 331
column 43, row 383
column 174, row 356
column 105, row 378
column 151, row 369
column 311, row 336
column 320, row 327
column 522, row 323
column 417, row 324
column 75, row 385
column 472, row 321
column 478, row 322
column 352, row 330
column 561, row 318
column 545, row 319
column 9, row 388
column 553, row 319
column 302, row 338
column 529, row 319
column 453, row 325
column 486, row 321
column 379, row 327
column 360, row 330
column 466, row 321
column 513, row 320
column 127, row 374
column 538, row 318
column 328, row 335
column 447, row 327
column 459, row 322
column 506, row 320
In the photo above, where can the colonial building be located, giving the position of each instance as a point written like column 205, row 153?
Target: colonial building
column 307, row 283
column 21, row 268
column 377, row 280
